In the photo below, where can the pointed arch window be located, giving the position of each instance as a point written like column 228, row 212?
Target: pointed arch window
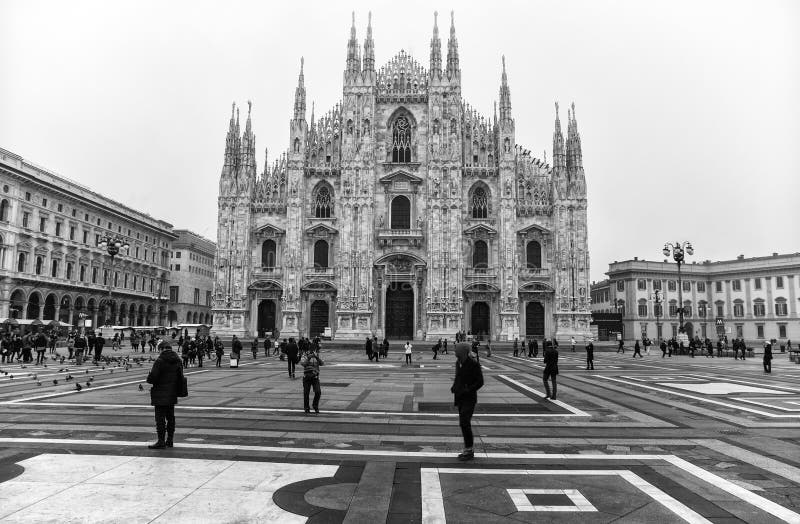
column 323, row 203
column 320, row 254
column 480, row 203
column 401, row 141
column 268, row 253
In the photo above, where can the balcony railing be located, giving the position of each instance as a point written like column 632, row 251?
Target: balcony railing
column 414, row 235
column 319, row 272
column 534, row 273
column 480, row 273
column 267, row 272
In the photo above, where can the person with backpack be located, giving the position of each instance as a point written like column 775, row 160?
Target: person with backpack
column 40, row 345
column 99, row 343
column 311, row 363
column 292, row 351
column 80, row 346
column 468, row 380
column 167, row 378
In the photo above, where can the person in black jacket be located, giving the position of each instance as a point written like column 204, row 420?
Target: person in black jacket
column 589, row 359
column 292, row 351
column 166, row 376
column 467, row 382
column 767, row 357
column 550, row 370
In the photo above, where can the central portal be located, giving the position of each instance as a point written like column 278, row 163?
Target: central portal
column 319, row 318
column 400, row 311
column 266, row 317
column 480, row 319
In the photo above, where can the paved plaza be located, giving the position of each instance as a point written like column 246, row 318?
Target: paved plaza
column 646, row 440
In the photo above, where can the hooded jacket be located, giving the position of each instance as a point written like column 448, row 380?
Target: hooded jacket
column 165, row 378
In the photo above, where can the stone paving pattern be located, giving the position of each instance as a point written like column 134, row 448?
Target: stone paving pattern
column 386, row 429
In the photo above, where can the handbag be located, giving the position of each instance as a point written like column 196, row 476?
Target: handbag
column 184, row 386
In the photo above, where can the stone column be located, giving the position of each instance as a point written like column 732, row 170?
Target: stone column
column 792, row 299
column 71, row 314
column 748, row 305
column 769, row 300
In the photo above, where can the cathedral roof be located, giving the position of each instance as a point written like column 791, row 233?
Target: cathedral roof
column 402, row 75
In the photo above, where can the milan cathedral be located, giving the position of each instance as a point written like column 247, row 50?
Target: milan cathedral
column 402, row 212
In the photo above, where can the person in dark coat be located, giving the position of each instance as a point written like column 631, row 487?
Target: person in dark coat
column 467, row 382
column 166, row 376
column 99, row 344
column 292, row 350
column 767, row 357
column 368, row 348
column 236, row 348
column 589, row 358
column 550, row 370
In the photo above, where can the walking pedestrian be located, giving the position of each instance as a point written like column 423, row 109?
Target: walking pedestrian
column 40, row 345
column 767, row 357
column 516, row 347
column 637, row 350
column 291, row 356
column 267, row 346
column 550, row 370
column 468, row 380
column 166, row 376
column 408, row 348
column 572, row 342
column 385, row 348
column 663, row 349
column 236, row 350
column 311, row 363
column 444, row 348
column 589, row 356
column 99, row 343
column 254, row 347
column 621, row 347
column 535, row 348
column 368, row 348
column 219, row 350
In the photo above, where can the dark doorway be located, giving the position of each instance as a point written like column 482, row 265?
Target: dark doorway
column 32, row 311
column 534, row 320
column 688, row 328
column 320, row 254
column 319, row 318
column 400, row 311
column 266, row 317
column 480, row 319
column 401, row 213
column 533, row 254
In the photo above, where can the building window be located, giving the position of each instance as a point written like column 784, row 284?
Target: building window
column 323, row 203
column 105, row 277
column 480, row 203
column 27, row 196
column 39, row 264
column 701, row 287
column 718, row 286
column 533, row 254
column 673, row 309
column 758, row 308
column 720, row 310
column 401, row 140
column 687, row 309
column 480, row 255
column 116, row 278
column 177, row 267
column 780, row 307
column 703, row 331
column 69, row 271
column 42, row 224
column 44, row 202
column 658, row 310
column 72, row 232
column 4, row 206
column 641, row 284
column 736, row 284
column 757, row 283
column 779, row 282
column 739, row 330
column 781, row 330
column 54, row 268
column 401, row 213
column 196, row 296
column 208, row 298
column 60, row 208
column 173, row 294
column 25, row 218
column 94, row 275
column 702, row 309
column 82, row 273
column 687, row 286
column 74, row 212
column 620, row 285
column 21, row 262
column 85, row 237
column 178, row 254
column 657, row 285
column 672, row 285
column 125, row 281
column 674, row 330
column 58, row 229
column 738, row 309
column 642, row 310
column 320, row 254
column 759, row 330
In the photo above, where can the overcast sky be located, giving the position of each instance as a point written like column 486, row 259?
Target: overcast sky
column 689, row 112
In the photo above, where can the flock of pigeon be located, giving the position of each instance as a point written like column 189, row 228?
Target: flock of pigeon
column 111, row 362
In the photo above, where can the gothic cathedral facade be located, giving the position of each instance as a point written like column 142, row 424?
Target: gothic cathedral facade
column 403, row 213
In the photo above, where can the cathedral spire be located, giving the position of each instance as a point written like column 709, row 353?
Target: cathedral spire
column 248, row 146
column 558, row 146
column 231, row 151
column 353, row 60
column 505, row 97
column 453, row 69
column 300, row 95
column 436, row 48
column 369, row 47
column 574, row 154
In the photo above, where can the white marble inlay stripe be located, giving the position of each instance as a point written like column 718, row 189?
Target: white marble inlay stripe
column 432, row 498
column 721, row 388
column 701, row 399
column 575, row 411
column 520, row 499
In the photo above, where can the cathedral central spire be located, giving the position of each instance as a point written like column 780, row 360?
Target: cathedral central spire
column 436, row 48
column 505, row 97
column 559, row 162
column 369, row 47
column 353, row 58
column 300, row 95
column 453, row 69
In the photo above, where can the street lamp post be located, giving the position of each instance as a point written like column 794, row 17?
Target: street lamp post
column 657, row 307
column 678, row 251
column 112, row 247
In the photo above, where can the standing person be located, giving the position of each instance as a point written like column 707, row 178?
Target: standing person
column 516, row 347
column 408, row 352
column 201, row 351
column 535, row 348
column 767, row 357
column 488, row 348
column 572, row 342
column 444, row 347
column 236, row 349
column 589, row 357
column 267, row 346
column 291, row 356
column 435, row 350
column 663, row 348
column 368, row 348
column 99, row 343
column 311, row 363
column 219, row 350
column 467, row 382
column 254, row 347
column 637, row 350
column 530, row 347
column 53, row 341
column 550, row 370
column 166, row 376
column 5, row 348
column 80, row 346
column 385, row 347
column 40, row 345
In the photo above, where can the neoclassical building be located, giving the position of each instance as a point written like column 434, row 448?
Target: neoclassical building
column 51, row 267
column 403, row 212
column 191, row 279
